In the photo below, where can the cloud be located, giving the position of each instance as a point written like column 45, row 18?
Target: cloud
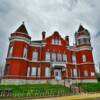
column 49, row 15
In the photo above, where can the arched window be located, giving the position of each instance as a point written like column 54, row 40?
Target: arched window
column 64, row 57
column 35, row 56
column 73, row 59
column 47, row 72
column 59, row 57
column 25, row 53
column 84, row 58
column 10, row 52
column 53, row 56
column 47, row 56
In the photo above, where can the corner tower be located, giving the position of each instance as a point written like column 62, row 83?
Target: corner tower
column 17, row 57
column 85, row 60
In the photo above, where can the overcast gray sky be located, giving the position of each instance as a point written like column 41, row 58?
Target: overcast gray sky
column 64, row 16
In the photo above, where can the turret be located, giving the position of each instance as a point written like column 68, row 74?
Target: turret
column 17, row 53
column 82, row 37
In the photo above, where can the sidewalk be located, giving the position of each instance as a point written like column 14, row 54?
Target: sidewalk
column 75, row 97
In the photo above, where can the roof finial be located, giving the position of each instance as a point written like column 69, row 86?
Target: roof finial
column 22, row 22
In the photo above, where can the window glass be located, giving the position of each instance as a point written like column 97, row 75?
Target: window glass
column 47, row 56
column 7, row 69
column 85, row 73
column 33, row 73
column 10, row 52
column 73, row 59
column 64, row 57
column 59, row 57
column 53, row 56
column 28, row 71
column 75, row 72
column 25, row 53
column 47, row 72
column 84, row 58
column 35, row 56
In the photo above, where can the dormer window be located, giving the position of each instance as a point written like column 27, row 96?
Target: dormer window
column 56, row 41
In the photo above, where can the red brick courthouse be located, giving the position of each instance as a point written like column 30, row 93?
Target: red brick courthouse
column 49, row 60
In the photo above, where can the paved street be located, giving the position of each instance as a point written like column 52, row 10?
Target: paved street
column 95, row 96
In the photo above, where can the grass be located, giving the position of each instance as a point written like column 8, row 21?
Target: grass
column 91, row 87
column 36, row 90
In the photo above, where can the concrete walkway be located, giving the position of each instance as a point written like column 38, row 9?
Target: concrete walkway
column 81, row 96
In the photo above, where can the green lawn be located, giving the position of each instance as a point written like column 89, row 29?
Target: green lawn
column 91, row 87
column 36, row 90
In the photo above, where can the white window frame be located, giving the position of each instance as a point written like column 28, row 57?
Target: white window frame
column 33, row 72
column 47, row 72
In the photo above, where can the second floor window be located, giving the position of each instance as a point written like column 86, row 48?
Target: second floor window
column 35, row 56
column 84, row 58
column 25, row 53
column 10, row 53
column 64, row 58
column 73, row 59
column 53, row 56
column 47, row 56
column 59, row 57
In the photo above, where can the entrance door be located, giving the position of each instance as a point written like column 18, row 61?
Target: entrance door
column 58, row 74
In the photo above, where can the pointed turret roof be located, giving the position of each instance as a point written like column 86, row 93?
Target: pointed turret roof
column 22, row 29
column 81, row 28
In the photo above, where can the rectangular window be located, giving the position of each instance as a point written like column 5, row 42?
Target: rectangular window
column 7, row 69
column 47, row 56
column 39, row 71
column 10, row 53
column 33, row 73
column 47, row 72
column 71, row 73
column 64, row 57
column 75, row 72
column 73, row 59
column 59, row 57
column 85, row 73
column 25, row 53
column 53, row 56
column 28, row 71
column 35, row 56
column 84, row 58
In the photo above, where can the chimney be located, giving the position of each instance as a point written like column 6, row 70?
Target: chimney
column 67, row 39
column 43, row 35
